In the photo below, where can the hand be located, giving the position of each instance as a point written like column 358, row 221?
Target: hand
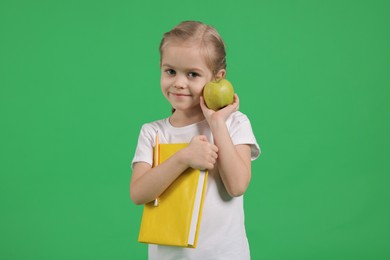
column 222, row 114
column 200, row 153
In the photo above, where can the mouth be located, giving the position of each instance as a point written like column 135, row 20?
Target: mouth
column 179, row 94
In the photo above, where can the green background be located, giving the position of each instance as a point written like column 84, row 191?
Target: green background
column 79, row 78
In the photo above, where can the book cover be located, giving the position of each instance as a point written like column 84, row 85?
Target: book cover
column 174, row 219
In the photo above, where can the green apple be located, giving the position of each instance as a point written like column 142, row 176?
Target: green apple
column 218, row 94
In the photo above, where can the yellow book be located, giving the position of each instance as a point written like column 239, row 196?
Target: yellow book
column 174, row 218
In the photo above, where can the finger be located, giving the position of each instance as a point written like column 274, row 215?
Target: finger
column 201, row 100
column 202, row 104
column 213, row 161
column 232, row 107
column 202, row 138
column 210, row 159
column 210, row 166
column 236, row 99
column 214, row 155
column 214, row 147
column 236, row 102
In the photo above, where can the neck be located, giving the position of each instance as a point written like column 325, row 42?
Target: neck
column 183, row 118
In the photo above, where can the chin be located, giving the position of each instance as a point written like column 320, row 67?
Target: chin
column 183, row 107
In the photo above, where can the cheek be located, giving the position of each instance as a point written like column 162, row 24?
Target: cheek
column 200, row 86
column 164, row 83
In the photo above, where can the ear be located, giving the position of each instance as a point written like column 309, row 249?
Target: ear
column 221, row 74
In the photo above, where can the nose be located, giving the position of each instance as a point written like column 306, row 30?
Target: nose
column 180, row 82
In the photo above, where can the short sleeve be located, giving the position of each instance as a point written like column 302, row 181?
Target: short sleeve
column 144, row 150
column 241, row 132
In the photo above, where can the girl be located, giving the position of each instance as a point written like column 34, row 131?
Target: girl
column 222, row 141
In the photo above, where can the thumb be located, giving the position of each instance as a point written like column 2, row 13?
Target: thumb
column 202, row 138
column 201, row 103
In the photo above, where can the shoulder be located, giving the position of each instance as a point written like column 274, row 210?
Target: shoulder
column 146, row 141
column 148, row 131
column 238, row 124
column 153, row 127
column 237, row 118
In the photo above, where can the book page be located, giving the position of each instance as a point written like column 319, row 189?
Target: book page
column 197, row 203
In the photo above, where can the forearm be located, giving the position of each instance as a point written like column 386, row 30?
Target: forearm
column 233, row 163
column 148, row 185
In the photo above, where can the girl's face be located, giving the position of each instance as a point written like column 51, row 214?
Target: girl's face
column 183, row 75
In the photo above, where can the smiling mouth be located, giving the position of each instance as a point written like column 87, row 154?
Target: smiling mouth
column 180, row 94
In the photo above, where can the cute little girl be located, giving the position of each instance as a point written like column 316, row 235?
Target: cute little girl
column 222, row 142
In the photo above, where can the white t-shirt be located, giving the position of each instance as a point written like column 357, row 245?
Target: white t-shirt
column 222, row 232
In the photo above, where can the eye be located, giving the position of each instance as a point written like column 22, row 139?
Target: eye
column 170, row 72
column 193, row 74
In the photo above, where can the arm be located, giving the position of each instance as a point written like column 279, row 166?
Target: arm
column 234, row 161
column 148, row 183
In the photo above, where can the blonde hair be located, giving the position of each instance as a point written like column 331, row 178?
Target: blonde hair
column 209, row 40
